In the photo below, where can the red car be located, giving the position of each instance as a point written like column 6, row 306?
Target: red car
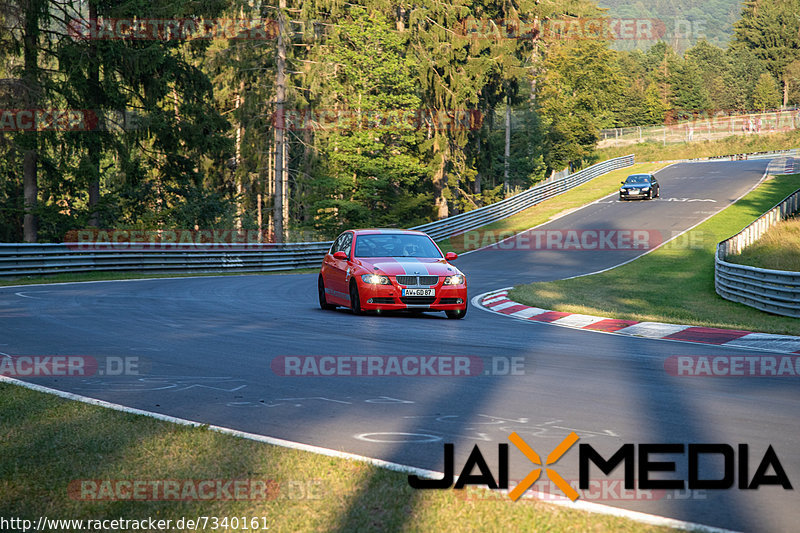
column 388, row 270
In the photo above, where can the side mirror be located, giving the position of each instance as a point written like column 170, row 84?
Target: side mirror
column 622, row 183
column 339, row 255
column 451, row 256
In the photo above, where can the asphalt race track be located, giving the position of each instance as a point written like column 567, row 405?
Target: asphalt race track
column 206, row 344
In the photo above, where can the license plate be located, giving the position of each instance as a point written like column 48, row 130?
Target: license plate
column 419, row 292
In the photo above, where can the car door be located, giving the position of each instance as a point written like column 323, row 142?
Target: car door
column 338, row 269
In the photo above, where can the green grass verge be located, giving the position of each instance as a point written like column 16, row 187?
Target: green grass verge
column 778, row 249
column 735, row 144
column 682, row 289
column 106, row 276
column 46, row 443
column 573, row 199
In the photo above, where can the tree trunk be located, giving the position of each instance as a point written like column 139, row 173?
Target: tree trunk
column 507, row 152
column 94, row 145
column 280, row 125
column 476, row 187
column 237, row 173
column 29, row 143
column 29, row 182
column 785, row 90
column 439, row 186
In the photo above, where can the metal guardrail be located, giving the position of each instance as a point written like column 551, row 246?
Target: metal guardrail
column 457, row 224
column 33, row 259
column 40, row 259
column 774, row 291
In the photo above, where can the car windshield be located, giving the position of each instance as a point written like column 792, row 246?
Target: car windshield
column 396, row 245
column 638, row 178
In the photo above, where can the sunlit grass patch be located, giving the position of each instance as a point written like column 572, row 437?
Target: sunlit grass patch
column 47, row 443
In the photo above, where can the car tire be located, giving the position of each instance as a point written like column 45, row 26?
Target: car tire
column 650, row 195
column 323, row 302
column 355, row 302
column 457, row 314
column 658, row 192
column 620, row 197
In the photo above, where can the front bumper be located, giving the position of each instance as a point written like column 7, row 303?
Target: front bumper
column 635, row 193
column 390, row 297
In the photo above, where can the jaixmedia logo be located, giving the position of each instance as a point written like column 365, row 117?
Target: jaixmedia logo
column 592, row 464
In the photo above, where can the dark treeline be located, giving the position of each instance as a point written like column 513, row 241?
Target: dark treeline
column 336, row 114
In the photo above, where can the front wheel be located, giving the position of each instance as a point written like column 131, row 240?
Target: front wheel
column 355, row 303
column 457, row 314
column 323, row 302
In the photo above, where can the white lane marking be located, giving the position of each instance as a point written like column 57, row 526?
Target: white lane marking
column 396, row 467
column 577, row 320
column 22, row 295
column 390, row 437
column 653, row 330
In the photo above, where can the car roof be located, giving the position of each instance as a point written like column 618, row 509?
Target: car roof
column 386, row 231
column 642, row 174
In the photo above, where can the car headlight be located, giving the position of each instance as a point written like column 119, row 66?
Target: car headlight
column 375, row 279
column 456, row 279
column 645, row 189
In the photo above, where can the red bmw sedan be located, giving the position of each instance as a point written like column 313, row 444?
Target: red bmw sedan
column 388, row 270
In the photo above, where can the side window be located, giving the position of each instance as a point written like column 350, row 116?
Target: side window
column 335, row 247
column 346, row 242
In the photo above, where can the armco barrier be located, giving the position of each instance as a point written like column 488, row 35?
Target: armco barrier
column 454, row 225
column 33, row 259
column 775, row 291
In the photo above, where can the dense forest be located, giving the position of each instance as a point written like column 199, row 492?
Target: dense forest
column 305, row 117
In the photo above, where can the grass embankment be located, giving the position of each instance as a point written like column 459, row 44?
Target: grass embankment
column 682, row 292
column 778, row 249
column 108, row 276
column 540, row 213
column 46, row 443
column 735, row 144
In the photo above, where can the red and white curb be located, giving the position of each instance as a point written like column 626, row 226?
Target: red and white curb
column 499, row 302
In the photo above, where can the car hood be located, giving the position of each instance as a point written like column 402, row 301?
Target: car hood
column 409, row 266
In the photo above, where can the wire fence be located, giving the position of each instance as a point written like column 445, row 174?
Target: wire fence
column 709, row 127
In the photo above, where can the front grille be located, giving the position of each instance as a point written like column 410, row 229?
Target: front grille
column 418, row 280
column 418, row 300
